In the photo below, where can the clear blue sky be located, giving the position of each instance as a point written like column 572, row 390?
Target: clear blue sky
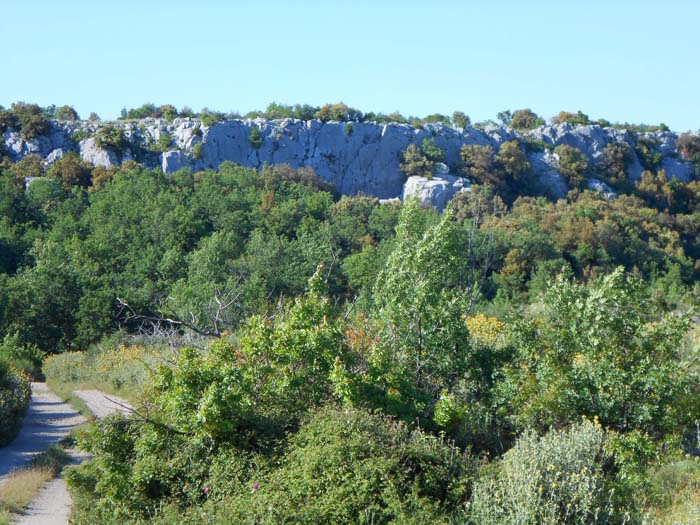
column 620, row 60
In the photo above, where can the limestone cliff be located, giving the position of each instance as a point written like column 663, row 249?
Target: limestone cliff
column 359, row 157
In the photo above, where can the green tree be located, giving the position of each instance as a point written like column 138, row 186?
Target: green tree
column 415, row 163
column 595, row 353
column 71, row 171
column 523, row 119
column 66, row 113
column 477, row 163
column 573, row 164
column 338, row 112
column 461, row 119
column 431, row 150
column 255, row 137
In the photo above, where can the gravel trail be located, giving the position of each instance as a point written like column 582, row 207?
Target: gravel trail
column 47, row 421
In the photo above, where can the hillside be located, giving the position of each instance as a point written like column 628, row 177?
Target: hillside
column 365, row 157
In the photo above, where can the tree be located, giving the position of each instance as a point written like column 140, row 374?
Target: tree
column 415, row 163
column 71, row 171
column 338, row 112
column 594, row 352
column 31, row 118
column 461, row 119
column 577, row 119
column 431, row 150
column 572, row 163
column 477, row 163
column 111, row 136
column 255, row 137
column 524, row 119
column 512, row 162
column 66, row 113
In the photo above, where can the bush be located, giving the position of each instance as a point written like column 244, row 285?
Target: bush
column 352, row 466
column 66, row 113
column 15, row 393
column 477, row 163
column 113, row 137
column 256, row 138
column 512, row 162
column 338, row 112
column 461, row 120
column 116, row 369
column 593, row 352
column 71, row 171
column 197, row 151
column 525, row 119
column 577, row 119
column 163, row 143
column 415, row 163
column 32, row 120
column 431, row 150
column 573, row 164
column 647, row 150
column 8, row 120
column 24, row 357
column 616, row 156
column 556, row 479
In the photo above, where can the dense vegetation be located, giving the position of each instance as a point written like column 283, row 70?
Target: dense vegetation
column 302, row 357
column 14, row 399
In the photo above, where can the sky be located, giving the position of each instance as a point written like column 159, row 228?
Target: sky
column 625, row 61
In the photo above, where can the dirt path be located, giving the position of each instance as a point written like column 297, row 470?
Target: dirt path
column 48, row 420
column 102, row 405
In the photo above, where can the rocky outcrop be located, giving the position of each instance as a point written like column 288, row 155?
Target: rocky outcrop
column 360, row 157
column 436, row 191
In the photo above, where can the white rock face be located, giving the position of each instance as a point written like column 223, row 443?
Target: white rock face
column 677, row 169
column 96, row 156
column 602, row 188
column 435, row 192
column 362, row 157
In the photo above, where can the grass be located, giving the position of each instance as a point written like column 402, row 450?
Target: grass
column 677, row 486
column 24, row 484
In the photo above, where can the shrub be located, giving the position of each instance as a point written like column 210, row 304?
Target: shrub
column 15, row 394
column 8, row 120
column 197, row 151
column 647, row 150
column 460, row 119
column 525, row 119
column 338, row 112
column 349, row 128
column 573, row 164
column 71, row 171
column 24, row 357
column 577, row 119
column 616, row 156
column 352, row 466
column 116, row 369
column 163, row 143
column 66, row 113
column 255, row 137
column 431, row 150
column 593, row 352
column 113, row 137
column 415, row 163
column 512, row 162
column 31, row 118
column 689, row 147
column 555, row 479
column 477, row 162
column 209, row 118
